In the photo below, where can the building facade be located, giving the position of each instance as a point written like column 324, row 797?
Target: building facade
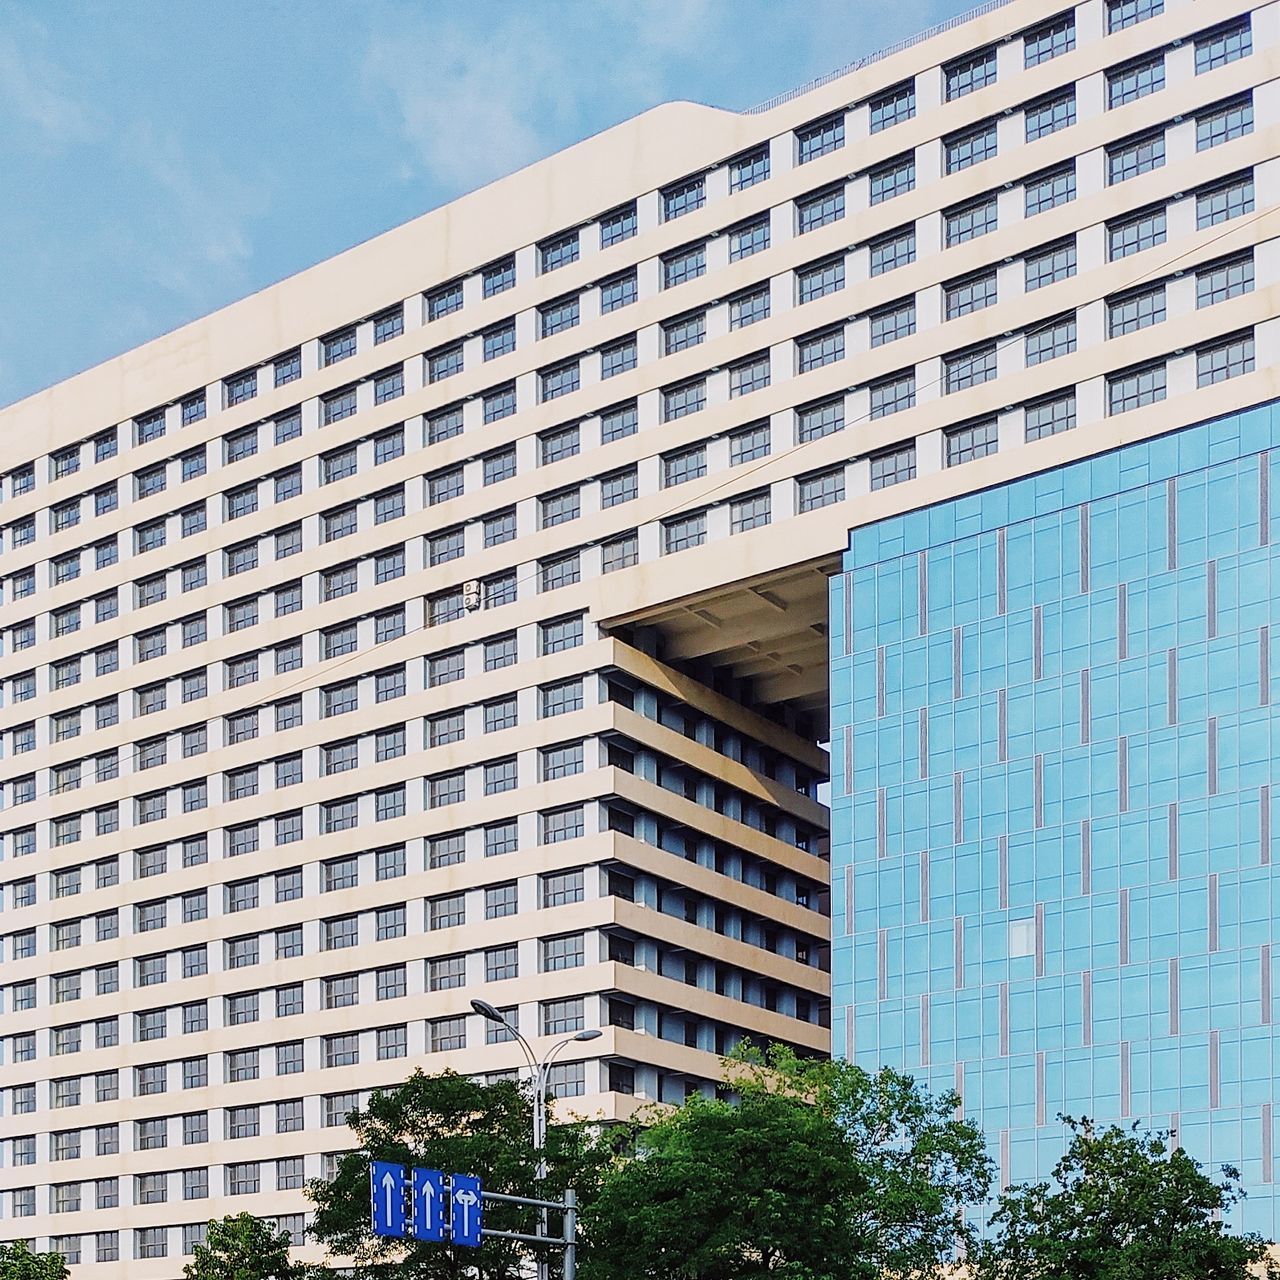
column 419, row 629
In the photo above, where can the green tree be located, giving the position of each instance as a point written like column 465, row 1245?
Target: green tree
column 458, row 1125
column 819, row 1170
column 243, row 1248
column 17, row 1262
column 1123, row 1205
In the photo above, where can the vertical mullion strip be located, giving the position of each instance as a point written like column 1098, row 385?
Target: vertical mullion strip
column 1002, row 725
column 1002, row 571
column 1173, row 840
column 924, row 885
column 1122, row 622
column 1175, row 997
column 1122, row 772
column 1124, row 926
column 1086, row 856
column 1086, row 1007
column 1264, row 498
column 1212, row 755
column 1215, row 1070
column 1037, row 642
column 1264, row 984
column 1086, row 707
column 924, row 1030
column 922, row 591
column 1211, row 597
column 1264, row 666
column 957, row 664
column 924, row 741
column 1171, row 523
column 1002, row 845
column 1125, row 1079
column 1084, row 548
column 1213, row 911
column 1264, row 824
column 1171, row 685
column 957, row 949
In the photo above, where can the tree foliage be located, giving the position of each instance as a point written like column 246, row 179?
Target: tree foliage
column 17, row 1262
column 458, row 1125
column 818, row 1171
column 1123, row 1205
column 243, row 1247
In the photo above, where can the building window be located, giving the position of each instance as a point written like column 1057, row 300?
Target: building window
column 749, row 238
column 683, row 197
column 618, row 291
column 888, row 323
column 895, row 249
column 1136, row 387
column 973, row 293
column 748, row 169
column 893, row 106
column 1050, row 189
column 1050, row 40
column 1133, row 234
column 1224, row 280
column 683, row 264
column 1051, row 339
column 445, row 300
column 1127, row 13
column 967, row 74
column 969, row 368
column 1224, row 200
column 1224, row 44
column 894, row 178
column 746, row 308
column 1224, row 123
column 970, row 441
column 750, row 512
column 1050, row 264
column 893, row 466
column 568, row 952
column 681, row 532
column 1228, row 358
column 1050, row 114
column 1134, row 80
column 893, row 394
column 968, row 148
column 816, row 350
column 1138, row 309
column 617, row 226
column 819, row 209
column 970, row 220
column 498, row 276
column 1135, row 156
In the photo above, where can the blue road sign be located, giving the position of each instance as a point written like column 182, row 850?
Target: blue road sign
column 467, row 1210
column 386, row 1192
column 429, row 1221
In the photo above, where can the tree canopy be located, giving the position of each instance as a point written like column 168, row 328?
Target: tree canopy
column 243, row 1247
column 818, row 1170
column 1123, row 1204
column 17, row 1262
column 456, row 1124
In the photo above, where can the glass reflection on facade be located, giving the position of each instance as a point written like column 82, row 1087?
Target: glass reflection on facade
column 1052, row 787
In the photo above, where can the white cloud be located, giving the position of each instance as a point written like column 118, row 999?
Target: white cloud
column 36, row 92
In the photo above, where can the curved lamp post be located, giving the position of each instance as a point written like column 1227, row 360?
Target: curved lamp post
column 541, row 1069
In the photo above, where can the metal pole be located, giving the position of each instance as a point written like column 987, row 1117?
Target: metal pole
column 570, row 1234
column 540, row 1147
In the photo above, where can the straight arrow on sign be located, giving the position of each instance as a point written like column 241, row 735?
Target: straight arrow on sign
column 386, row 1197
column 428, row 1205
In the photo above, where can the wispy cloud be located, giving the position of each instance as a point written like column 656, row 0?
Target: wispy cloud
column 37, row 93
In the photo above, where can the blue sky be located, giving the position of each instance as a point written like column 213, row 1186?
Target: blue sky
column 163, row 159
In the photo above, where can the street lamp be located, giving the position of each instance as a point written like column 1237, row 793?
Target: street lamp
column 541, row 1072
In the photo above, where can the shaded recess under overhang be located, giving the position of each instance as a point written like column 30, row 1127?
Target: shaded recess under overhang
column 770, row 629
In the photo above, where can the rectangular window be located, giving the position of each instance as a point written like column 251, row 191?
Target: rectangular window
column 973, row 293
column 893, row 394
column 893, row 466
column 1050, row 114
column 1127, row 13
column 897, row 176
column 895, row 249
column 1228, row 358
column 684, row 531
column 819, row 209
column 1136, row 387
column 1050, row 264
column 893, row 106
column 816, row 350
column 1224, row 280
column 683, row 264
column 1224, row 44
column 749, row 238
column 969, row 221
column 747, row 308
column 1134, row 80
column 1051, row 415
column 1051, row 339
column 1053, row 38
column 752, row 511
column 617, row 226
column 1135, row 156
column 559, row 380
column 1133, row 234
column 1135, row 310
column 1224, row 200
column 683, row 197
column 819, row 279
column 1223, row 124
column 819, row 138
column 1050, row 189
column 897, row 320
column 748, row 169
column 970, row 147
column 618, row 291
column 969, row 368
column 972, row 72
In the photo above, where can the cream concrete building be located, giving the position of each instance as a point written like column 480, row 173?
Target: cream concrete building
column 449, row 620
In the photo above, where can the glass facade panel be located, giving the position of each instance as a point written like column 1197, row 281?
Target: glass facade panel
column 1053, row 848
